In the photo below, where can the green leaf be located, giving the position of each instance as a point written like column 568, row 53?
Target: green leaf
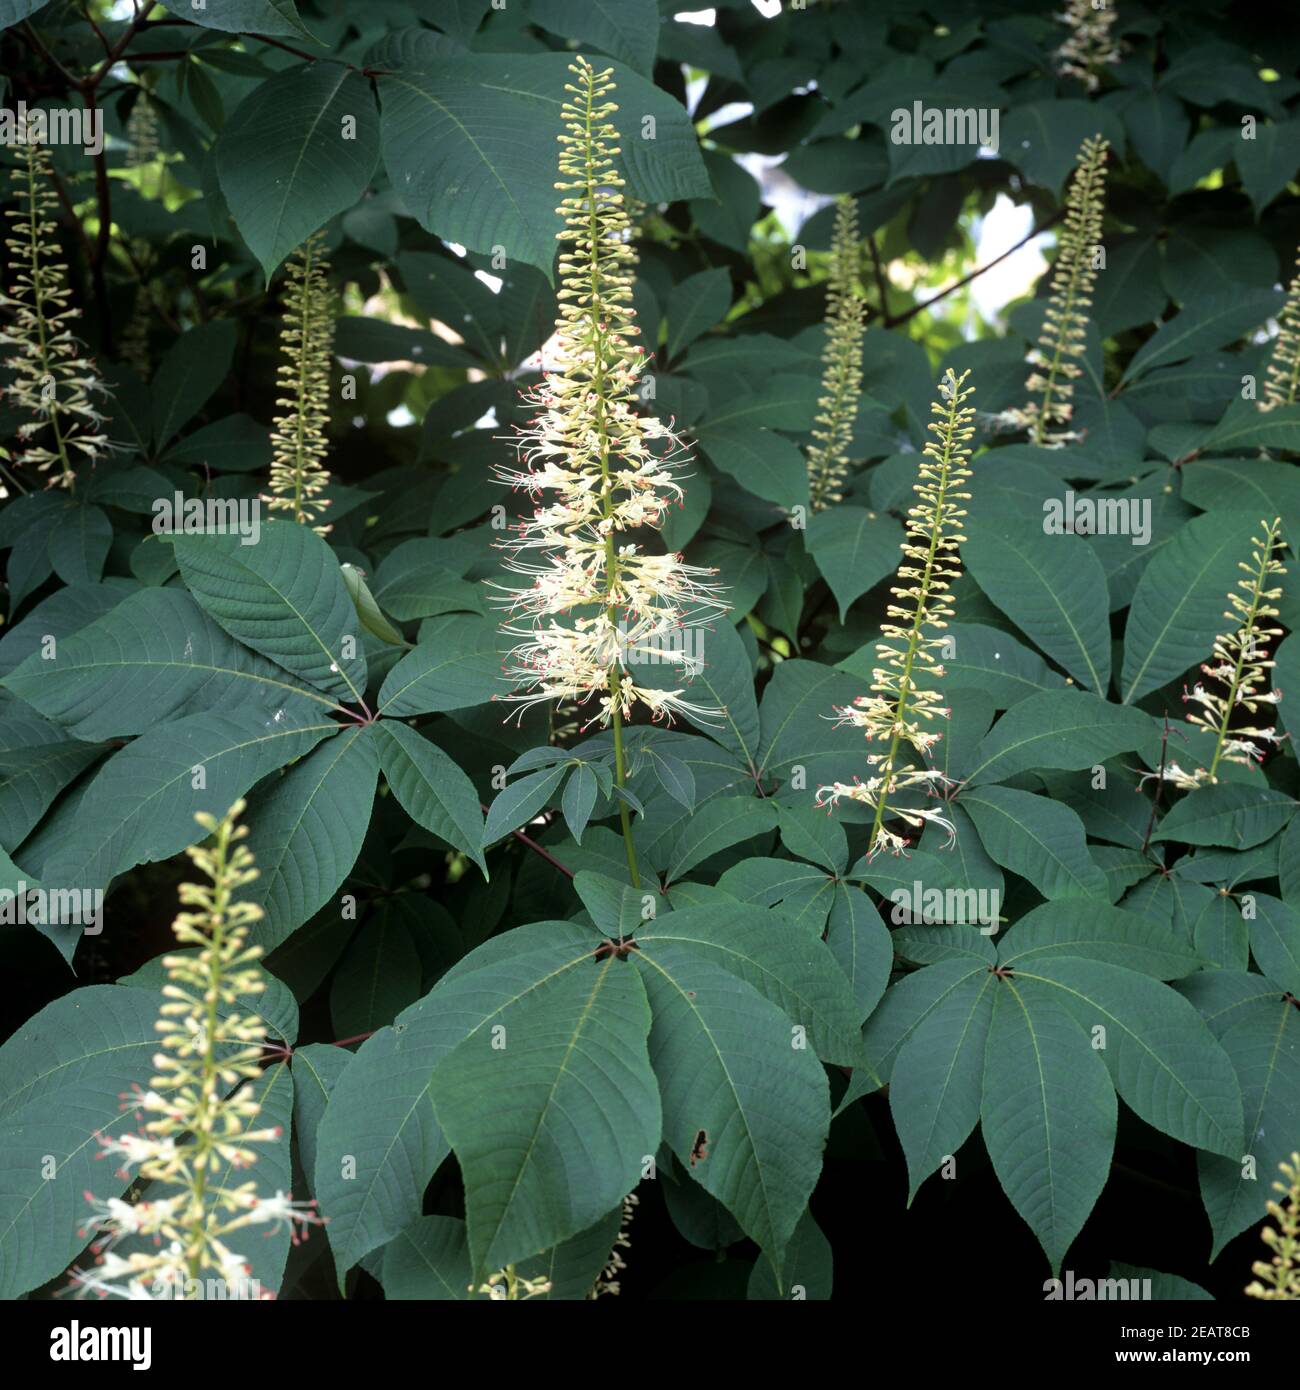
column 761, row 461
column 695, row 305
column 985, row 659
column 1039, row 839
column 377, row 978
column 809, row 1265
column 553, row 1112
column 721, row 823
column 1267, row 162
column 1093, row 931
column 1178, row 606
column 1245, row 426
column 455, row 664
column 61, row 1074
column 1234, row 814
column 30, row 780
column 520, row 802
column 1043, row 138
column 299, row 149
column 745, row 1110
column 1219, row 933
column 380, row 1141
column 908, row 1003
column 79, row 544
column 625, row 29
column 192, row 370
column 937, row 1081
column 307, row 828
column 141, row 805
column 795, row 971
column 861, row 943
column 316, row 1070
column 249, row 17
column 1053, row 588
column 1213, row 321
column 1265, row 1050
column 470, row 146
column 428, row 1261
column 796, row 730
column 284, row 597
column 1164, row 1061
column 854, row 549
column 1057, row 728
column 1047, row 1114
column 810, row 835
column 1275, row 940
column 432, row 790
column 154, row 657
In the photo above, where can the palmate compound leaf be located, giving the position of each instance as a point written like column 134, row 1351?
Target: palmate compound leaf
column 61, row 1075
column 285, row 598
column 1047, row 1114
column 1265, row 1050
column 155, row 656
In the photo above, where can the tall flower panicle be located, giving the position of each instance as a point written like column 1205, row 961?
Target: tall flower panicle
column 297, row 476
column 142, row 133
column 846, row 312
column 597, row 469
column 53, row 378
column 1090, row 45
column 1282, row 386
column 1238, row 669
column 899, row 712
column 1065, row 318
column 1279, row 1278
column 197, row 1115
